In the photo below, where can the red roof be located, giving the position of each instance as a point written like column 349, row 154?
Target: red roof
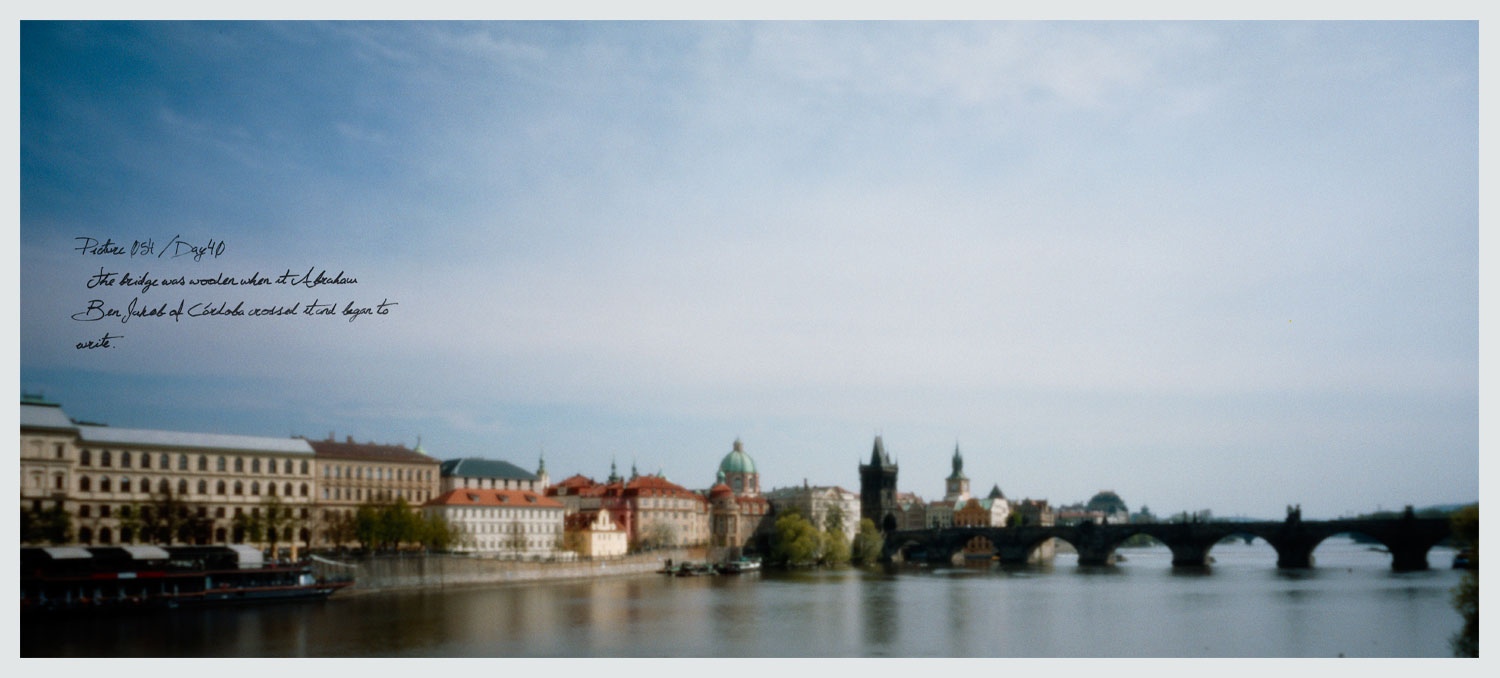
column 574, row 484
column 465, row 496
column 719, row 490
column 652, row 486
column 369, row 452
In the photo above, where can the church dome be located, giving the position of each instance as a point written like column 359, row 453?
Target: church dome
column 737, row 461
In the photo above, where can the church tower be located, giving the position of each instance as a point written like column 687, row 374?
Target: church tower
column 958, row 483
column 877, row 489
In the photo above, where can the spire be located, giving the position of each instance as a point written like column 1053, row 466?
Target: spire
column 633, row 473
column 614, row 475
column 958, row 460
column 738, row 446
column 541, row 463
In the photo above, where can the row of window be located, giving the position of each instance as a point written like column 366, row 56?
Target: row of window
column 86, row 484
column 376, row 473
column 107, row 511
column 494, row 528
column 509, row 513
column 164, row 462
column 360, row 494
column 220, row 536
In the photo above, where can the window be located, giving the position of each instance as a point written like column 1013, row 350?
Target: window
column 223, row 464
column 325, row 492
column 165, row 463
column 239, row 464
column 57, row 482
column 182, row 462
column 287, row 467
column 83, row 484
column 163, row 487
column 254, row 488
column 104, row 484
column 271, row 489
column 255, row 465
column 239, row 487
column 125, row 484
column 125, row 460
column 85, row 458
column 202, row 462
column 59, row 449
column 181, row 486
column 83, row 511
column 221, row 487
column 104, row 458
column 286, row 489
column 304, row 467
column 219, row 512
column 104, row 511
column 271, row 466
column 202, row 486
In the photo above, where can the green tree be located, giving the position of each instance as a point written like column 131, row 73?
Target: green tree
column 1466, row 595
column 367, row 529
column 52, row 526
column 794, row 541
column 867, row 543
column 252, row 525
column 835, row 542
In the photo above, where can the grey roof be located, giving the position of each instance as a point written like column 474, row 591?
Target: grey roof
column 474, row 467
column 109, row 435
column 45, row 416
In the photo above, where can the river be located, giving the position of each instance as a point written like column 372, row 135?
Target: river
column 1241, row 606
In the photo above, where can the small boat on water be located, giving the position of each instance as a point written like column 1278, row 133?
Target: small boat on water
column 1464, row 560
column 140, row 577
column 696, row 570
column 740, row 566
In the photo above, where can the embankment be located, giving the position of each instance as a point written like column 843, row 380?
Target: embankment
column 387, row 573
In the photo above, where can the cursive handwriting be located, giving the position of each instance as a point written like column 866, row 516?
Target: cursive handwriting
column 99, row 343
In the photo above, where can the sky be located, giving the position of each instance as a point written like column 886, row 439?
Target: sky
column 1218, row 265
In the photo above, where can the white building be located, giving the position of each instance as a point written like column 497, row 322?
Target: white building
column 816, row 502
column 502, row 523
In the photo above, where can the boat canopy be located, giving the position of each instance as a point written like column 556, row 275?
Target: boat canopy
column 146, row 552
column 249, row 555
column 67, row 552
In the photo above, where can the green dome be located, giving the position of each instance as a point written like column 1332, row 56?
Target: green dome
column 737, row 461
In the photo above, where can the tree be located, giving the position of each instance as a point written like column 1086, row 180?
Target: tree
column 657, row 534
column 251, row 525
column 515, row 539
column 1466, row 595
column 434, row 532
column 278, row 520
column 868, row 543
column 367, row 527
column 794, row 541
column 52, row 526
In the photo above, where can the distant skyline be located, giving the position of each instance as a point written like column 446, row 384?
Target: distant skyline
column 1220, row 265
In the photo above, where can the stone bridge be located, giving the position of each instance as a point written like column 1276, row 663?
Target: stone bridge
column 1408, row 539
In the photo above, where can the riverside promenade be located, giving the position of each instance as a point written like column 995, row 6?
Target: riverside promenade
column 387, row 573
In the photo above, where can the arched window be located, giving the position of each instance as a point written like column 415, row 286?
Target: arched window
column 223, row 464
column 85, row 535
column 163, row 487
column 287, row 467
column 83, row 511
column 125, row 535
column 104, row 535
column 57, row 482
column 203, row 487
column 255, row 488
column 165, row 462
column 104, row 458
column 304, row 467
column 83, row 484
column 255, row 465
column 239, row 487
column 85, row 458
column 125, row 460
column 271, row 489
column 239, row 464
column 182, row 462
column 286, row 489
column 202, row 462
column 182, row 487
column 104, row 484
column 125, row 485
column 271, row 466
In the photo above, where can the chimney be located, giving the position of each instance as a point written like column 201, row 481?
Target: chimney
column 349, row 439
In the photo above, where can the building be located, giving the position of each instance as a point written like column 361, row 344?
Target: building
column 738, row 513
column 652, row 510
column 877, row 489
column 592, row 534
column 817, row 503
column 957, row 483
column 116, row 482
column 1034, row 512
column 911, row 512
column 502, row 523
column 1110, row 506
column 986, row 512
column 350, row 474
column 487, row 474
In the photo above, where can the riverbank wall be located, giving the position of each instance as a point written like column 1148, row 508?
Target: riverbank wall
column 388, row 573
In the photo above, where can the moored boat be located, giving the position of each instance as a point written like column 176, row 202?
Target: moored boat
column 131, row 577
column 740, row 566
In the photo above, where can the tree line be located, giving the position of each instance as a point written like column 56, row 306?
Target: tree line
column 796, row 542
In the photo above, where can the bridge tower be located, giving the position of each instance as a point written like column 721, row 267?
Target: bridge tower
column 958, row 483
column 877, row 489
